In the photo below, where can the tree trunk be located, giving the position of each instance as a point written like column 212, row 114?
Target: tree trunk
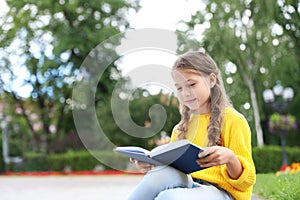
column 35, row 137
column 259, row 132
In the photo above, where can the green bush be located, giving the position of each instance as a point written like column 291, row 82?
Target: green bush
column 293, row 154
column 15, row 150
column 74, row 160
column 268, row 159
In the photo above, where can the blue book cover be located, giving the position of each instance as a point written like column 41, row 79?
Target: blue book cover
column 181, row 155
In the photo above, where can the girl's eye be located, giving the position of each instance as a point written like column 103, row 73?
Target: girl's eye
column 179, row 88
column 192, row 84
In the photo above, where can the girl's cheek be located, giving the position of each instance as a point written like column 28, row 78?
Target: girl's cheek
column 179, row 95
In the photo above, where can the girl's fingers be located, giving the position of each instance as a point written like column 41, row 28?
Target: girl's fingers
column 209, row 157
column 206, row 151
column 142, row 166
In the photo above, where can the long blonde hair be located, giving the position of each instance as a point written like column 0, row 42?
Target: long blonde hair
column 204, row 65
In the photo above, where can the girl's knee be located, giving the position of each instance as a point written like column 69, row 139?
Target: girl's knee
column 158, row 180
column 170, row 176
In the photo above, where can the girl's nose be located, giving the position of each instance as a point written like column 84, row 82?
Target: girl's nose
column 186, row 92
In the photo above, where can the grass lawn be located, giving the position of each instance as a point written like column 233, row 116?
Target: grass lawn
column 283, row 187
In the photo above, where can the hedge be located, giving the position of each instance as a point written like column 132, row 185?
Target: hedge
column 267, row 159
column 72, row 160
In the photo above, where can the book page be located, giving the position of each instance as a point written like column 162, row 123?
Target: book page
column 137, row 153
column 133, row 149
column 167, row 147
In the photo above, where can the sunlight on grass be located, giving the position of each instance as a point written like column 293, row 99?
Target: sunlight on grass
column 283, row 187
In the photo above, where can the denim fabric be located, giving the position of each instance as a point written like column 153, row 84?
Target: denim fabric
column 167, row 183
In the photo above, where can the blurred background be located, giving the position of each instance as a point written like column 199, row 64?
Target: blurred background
column 255, row 43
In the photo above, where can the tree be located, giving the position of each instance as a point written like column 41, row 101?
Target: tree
column 43, row 44
column 287, row 16
column 242, row 35
column 134, row 106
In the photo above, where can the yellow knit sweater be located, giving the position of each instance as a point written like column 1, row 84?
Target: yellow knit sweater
column 236, row 136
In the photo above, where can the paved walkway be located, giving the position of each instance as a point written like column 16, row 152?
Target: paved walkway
column 114, row 187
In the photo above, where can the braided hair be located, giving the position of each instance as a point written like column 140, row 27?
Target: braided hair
column 204, row 65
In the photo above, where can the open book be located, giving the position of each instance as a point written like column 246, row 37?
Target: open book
column 181, row 154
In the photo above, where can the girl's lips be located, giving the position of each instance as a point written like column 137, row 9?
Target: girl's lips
column 190, row 101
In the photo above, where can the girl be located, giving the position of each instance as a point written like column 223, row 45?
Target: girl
column 208, row 120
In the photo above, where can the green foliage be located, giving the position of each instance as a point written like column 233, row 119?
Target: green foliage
column 15, row 150
column 260, row 39
column 139, row 104
column 47, row 41
column 292, row 136
column 279, row 123
column 2, row 164
column 268, row 159
column 77, row 161
column 284, row 187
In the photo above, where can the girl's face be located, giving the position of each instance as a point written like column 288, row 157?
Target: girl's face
column 193, row 90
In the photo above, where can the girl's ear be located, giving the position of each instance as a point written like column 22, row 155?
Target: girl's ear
column 213, row 80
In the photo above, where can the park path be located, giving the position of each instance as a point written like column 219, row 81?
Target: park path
column 114, row 187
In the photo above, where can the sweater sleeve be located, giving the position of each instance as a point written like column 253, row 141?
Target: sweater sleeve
column 238, row 138
column 246, row 179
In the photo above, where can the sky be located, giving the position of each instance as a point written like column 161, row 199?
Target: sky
column 156, row 13
column 164, row 14
column 3, row 6
column 159, row 14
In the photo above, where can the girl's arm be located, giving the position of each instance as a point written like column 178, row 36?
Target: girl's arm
column 218, row 155
column 234, row 156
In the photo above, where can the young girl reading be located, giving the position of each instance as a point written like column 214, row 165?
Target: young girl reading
column 208, row 120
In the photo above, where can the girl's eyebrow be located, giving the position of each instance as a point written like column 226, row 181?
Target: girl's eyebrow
column 191, row 80
column 188, row 80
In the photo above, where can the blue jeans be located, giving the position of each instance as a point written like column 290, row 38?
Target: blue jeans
column 167, row 183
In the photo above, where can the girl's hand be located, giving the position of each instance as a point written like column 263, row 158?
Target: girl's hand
column 215, row 155
column 218, row 155
column 142, row 166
